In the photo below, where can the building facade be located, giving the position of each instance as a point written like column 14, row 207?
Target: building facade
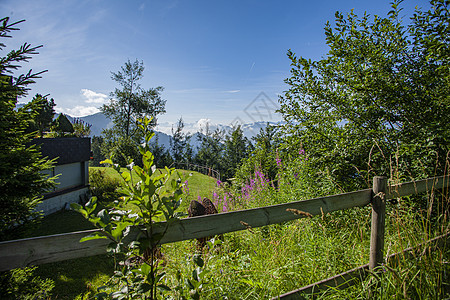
column 72, row 168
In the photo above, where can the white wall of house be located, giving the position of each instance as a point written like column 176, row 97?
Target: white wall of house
column 61, row 202
column 71, row 183
column 71, row 168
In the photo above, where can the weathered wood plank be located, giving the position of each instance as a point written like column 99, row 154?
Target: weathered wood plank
column 33, row 251
column 53, row 248
column 420, row 186
column 378, row 220
column 205, row 226
column 340, row 281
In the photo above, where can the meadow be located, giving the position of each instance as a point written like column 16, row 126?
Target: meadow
column 266, row 262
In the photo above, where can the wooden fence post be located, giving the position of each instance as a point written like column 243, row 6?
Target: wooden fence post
column 378, row 216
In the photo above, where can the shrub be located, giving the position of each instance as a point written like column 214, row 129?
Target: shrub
column 103, row 186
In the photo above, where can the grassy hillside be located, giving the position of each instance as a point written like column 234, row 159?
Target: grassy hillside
column 265, row 262
column 75, row 277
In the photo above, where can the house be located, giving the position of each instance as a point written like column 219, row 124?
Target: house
column 72, row 167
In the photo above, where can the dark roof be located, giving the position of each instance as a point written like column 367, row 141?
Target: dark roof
column 67, row 150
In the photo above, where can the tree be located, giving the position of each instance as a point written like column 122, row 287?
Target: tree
column 62, row 126
column 236, row 149
column 263, row 157
column 81, row 128
column 378, row 103
column 21, row 178
column 131, row 101
column 97, row 156
column 210, row 153
column 127, row 105
column 181, row 148
column 42, row 110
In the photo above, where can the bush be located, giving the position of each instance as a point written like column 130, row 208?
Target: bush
column 103, row 186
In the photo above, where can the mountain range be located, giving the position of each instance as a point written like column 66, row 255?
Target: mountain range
column 163, row 131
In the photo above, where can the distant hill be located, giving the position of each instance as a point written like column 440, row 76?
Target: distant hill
column 99, row 122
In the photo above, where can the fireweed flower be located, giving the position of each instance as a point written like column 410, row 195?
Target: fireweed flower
column 278, row 162
column 215, row 199
column 186, row 187
column 225, row 204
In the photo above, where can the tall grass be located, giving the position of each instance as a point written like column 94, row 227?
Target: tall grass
column 265, row 262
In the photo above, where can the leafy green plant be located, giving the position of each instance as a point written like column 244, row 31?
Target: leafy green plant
column 102, row 186
column 191, row 286
column 140, row 274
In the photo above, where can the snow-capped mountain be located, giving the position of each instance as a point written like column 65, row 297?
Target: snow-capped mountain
column 164, row 130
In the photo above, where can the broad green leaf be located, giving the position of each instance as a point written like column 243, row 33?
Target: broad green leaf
column 93, row 236
column 126, row 176
column 117, row 232
column 107, row 161
column 104, row 217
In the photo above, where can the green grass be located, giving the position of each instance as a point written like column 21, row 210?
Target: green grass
column 76, row 277
column 268, row 261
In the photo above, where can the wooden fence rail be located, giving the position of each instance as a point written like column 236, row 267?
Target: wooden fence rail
column 202, row 169
column 41, row 250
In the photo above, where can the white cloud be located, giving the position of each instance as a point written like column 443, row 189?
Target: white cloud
column 202, row 124
column 78, row 111
column 93, row 97
column 165, row 127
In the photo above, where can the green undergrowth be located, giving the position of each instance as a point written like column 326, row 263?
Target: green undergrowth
column 265, row 262
column 77, row 277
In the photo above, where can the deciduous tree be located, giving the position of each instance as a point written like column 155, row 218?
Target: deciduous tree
column 127, row 104
column 131, row 102
column 378, row 102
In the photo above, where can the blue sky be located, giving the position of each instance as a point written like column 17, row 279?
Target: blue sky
column 214, row 58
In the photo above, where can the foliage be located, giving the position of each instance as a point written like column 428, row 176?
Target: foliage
column 161, row 154
column 378, row 102
column 127, row 105
column 121, row 149
column 62, row 127
column 193, row 285
column 181, row 149
column 236, row 149
column 13, row 87
column 264, row 155
column 103, row 187
column 21, row 177
column 156, row 199
column 42, row 111
column 81, row 128
column 132, row 102
column 96, row 146
column 23, row 284
column 211, row 150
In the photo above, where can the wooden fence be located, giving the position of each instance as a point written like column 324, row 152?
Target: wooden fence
column 59, row 247
column 202, row 169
